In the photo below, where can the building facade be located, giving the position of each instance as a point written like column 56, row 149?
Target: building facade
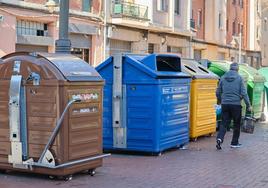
column 153, row 26
column 264, row 32
column 210, row 41
column 30, row 26
column 199, row 29
column 254, row 35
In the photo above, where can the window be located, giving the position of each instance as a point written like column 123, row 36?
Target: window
column 86, row 5
column 264, row 51
column 177, row 6
column 24, row 27
column 238, row 27
column 81, row 53
column 258, row 6
column 234, row 31
column 199, row 18
column 265, row 24
column 258, row 33
column 234, row 2
column 163, row 5
column 174, row 49
column 150, row 48
column 241, row 3
column 227, row 25
column 220, row 21
column 242, row 29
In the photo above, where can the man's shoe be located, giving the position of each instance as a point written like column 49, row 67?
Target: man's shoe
column 218, row 145
column 236, row 145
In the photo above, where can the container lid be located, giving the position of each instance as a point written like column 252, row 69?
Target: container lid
column 163, row 65
column 253, row 74
column 264, row 72
column 50, row 66
column 155, row 66
column 221, row 67
column 72, row 67
column 197, row 71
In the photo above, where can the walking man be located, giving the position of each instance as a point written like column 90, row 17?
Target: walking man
column 230, row 92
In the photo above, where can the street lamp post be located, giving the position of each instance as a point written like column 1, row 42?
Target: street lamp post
column 63, row 44
column 240, row 47
column 238, row 40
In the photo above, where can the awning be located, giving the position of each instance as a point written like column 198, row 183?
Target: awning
column 83, row 29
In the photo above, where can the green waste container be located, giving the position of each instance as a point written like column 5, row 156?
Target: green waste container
column 264, row 72
column 255, row 88
column 221, row 67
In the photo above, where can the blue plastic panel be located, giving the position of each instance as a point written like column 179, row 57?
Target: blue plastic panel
column 157, row 108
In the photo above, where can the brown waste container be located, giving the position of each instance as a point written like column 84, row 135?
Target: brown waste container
column 50, row 114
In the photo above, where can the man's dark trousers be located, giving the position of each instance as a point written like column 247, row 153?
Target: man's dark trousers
column 230, row 112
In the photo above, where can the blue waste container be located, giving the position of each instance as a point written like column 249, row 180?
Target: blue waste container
column 146, row 103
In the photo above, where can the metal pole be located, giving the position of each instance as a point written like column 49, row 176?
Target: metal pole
column 56, row 130
column 240, row 46
column 63, row 44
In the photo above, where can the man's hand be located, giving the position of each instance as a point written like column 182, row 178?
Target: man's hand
column 249, row 109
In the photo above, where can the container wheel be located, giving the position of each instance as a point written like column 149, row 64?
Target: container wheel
column 159, row 154
column 211, row 134
column 91, row 172
column 194, row 139
column 51, row 177
column 3, row 171
column 67, row 178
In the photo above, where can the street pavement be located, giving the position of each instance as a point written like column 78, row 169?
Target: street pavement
column 201, row 165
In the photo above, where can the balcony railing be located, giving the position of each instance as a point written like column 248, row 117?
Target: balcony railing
column 192, row 23
column 131, row 10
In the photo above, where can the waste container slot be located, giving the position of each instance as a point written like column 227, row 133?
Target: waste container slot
column 190, row 68
column 202, row 69
column 168, row 64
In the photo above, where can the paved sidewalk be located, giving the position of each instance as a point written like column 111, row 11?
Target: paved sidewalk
column 199, row 166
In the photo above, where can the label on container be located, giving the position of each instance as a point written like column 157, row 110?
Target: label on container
column 172, row 90
column 93, row 109
column 86, row 96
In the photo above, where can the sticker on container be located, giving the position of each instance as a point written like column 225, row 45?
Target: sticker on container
column 86, row 96
column 82, row 73
column 86, row 110
column 171, row 90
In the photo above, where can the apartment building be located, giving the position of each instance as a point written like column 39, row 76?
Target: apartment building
column 209, row 18
column 254, row 33
column 152, row 26
column 264, row 32
column 236, row 23
column 31, row 26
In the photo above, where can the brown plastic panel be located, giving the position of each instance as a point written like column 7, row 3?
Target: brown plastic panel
column 81, row 133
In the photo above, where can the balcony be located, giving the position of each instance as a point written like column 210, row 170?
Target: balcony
column 121, row 9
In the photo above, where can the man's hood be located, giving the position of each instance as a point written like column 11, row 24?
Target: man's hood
column 231, row 75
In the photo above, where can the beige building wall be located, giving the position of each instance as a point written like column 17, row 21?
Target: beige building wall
column 215, row 20
column 7, row 33
column 164, row 31
column 264, row 33
column 254, row 25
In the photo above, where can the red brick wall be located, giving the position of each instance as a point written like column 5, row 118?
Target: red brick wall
column 196, row 6
column 76, row 4
column 239, row 15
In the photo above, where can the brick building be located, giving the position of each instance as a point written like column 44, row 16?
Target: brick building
column 30, row 26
